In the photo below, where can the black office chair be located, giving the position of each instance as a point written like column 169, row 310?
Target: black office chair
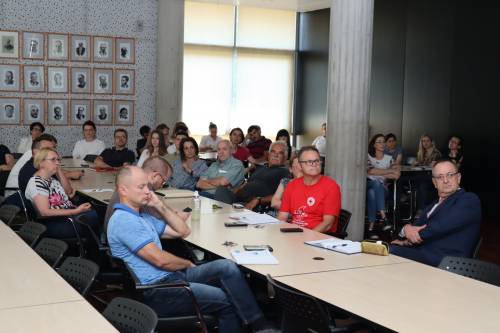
column 51, row 250
column 90, row 158
column 30, row 232
column 129, row 316
column 8, row 213
column 473, row 268
column 303, row 313
column 79, row 273
column 344, row 219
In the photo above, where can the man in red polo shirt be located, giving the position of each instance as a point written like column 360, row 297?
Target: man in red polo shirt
column 313, row 201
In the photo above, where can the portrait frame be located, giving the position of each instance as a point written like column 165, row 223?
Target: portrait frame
column 52, row 118
column 57, row 46
column 76, row 105
column 118, row 106
column 98, row 55
column 9, row 44
column 28, row 104
column 14, row 116
column 81, row 48
column 123, row 45
column 31, row 84
column 120, row 88
column 10, row 78
column 98, row 81
column 97, row 115
column 33, row 45
column 76, row 83
column 55, row 83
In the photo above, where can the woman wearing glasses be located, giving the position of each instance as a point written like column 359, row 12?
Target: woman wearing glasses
column 50, row 200
column 380, row 168
column 155, row 146
column 188, row 167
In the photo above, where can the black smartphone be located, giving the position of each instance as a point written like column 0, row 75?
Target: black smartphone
column 291, row 230
column 235, row 224
column 257, row 248
column 187, row 210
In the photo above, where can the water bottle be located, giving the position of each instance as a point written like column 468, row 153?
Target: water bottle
column 195, row 214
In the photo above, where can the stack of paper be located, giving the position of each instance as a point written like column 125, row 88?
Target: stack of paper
column 250, row 217
column 263, row 257
column 339, row 245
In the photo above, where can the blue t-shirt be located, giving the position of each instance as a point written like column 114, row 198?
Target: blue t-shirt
column 129, row 232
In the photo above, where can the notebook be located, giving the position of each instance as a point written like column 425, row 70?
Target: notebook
column 337, row 245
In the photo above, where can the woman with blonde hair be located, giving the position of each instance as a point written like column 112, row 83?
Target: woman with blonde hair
column 427, row 152
column 155, row 146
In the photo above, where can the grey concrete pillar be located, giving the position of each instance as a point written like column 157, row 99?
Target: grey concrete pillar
column 170, row 60
column 349, row 74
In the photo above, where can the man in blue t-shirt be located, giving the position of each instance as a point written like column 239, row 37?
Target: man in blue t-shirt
column 134, row 236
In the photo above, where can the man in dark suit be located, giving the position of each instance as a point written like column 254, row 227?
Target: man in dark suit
column 448, row 227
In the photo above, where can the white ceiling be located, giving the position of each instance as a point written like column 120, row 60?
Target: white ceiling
column 295, row 5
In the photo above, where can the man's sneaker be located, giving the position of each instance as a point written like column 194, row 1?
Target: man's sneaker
column 386, row 225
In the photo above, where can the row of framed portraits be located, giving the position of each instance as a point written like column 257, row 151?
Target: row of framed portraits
column 61, row 112
column 62, row 46
column 61, row 79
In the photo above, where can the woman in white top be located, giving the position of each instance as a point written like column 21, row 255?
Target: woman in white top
column 380, row 168
column 155, row 146
column 320, row 141
column 90, row 145
column 36, row 129
column 210, row 142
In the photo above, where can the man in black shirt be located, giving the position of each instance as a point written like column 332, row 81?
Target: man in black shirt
column 117, row 156
column 141, row 143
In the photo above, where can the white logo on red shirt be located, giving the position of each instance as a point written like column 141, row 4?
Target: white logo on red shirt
column 311, row 201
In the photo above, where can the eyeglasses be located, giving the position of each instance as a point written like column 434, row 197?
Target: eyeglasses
column 164, row 180
column 53, row 159
column 311, row 162
column 446, row 176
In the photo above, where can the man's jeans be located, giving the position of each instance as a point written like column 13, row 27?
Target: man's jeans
column 219, row 288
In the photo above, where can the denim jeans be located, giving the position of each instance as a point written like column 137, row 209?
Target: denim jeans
column 219, row 288
column 375, row 198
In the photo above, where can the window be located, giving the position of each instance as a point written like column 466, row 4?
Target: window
column 238, row 67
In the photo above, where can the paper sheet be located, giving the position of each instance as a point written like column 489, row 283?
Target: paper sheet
column 250, row 217
column 97, row 190
column 263, row 257
column 338, row 245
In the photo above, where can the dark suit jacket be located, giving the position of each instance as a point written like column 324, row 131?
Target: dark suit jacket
column 452, row 229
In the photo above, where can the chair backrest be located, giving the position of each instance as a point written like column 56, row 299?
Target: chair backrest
column 30, row 232
column 344, row 218
column 301, row 312
column 79, row 273
column 473, row 268
column 475, row 255
column 129, row 316
column 8, row 212
column 51, row 250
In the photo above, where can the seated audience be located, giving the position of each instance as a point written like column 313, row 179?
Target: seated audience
column 90, row 145
column 188, row 168
column 448, row 227
column 426, row 156
column 173, row 149
column 393, row 149
column 179, row 126
column 237, row 138
column 263, row 182
column 258, row 145
column 284, row 135
column 455, row 152
column 6, row 159
column 226, row 171
column 295, row 172
column 117, row 156
column 134, row 236
column 50, row 199
column 36, row 129
column 427, row 153
column 165, row 130
column 154, row 147
column 141, row 143
column 320, row 141
column 312, row 201
column 209, row 142
column 380, row 168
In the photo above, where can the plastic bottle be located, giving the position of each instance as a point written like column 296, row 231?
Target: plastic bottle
column 195, row 214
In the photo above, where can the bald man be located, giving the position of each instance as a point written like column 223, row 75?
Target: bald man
column 134, row 236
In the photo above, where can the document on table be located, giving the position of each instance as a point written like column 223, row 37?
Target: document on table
column 97, row 190
column 250, row 217
column 262, row 257
column 338, row 245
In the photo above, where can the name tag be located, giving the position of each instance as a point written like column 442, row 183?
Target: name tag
column 222, row 171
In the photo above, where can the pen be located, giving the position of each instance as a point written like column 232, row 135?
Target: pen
column 334, row 246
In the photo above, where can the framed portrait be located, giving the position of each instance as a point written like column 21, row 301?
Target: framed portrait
column 103, row 112
column 33, row 110
column 80, row 48
column 34, row 78
column 9, row 44
column 103, row 81
column 80, row 111
column 10, row 78
column 80, row 80
column 125, row 50
column 57, row 79
column 10, row 111
column 57, row 46
column 124, row 113
column 33, row 45
column 102, row 49
column 124, row 81
column 57, row 112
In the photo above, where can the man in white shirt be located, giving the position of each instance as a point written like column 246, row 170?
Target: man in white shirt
column 90, row 145
column 320, row 141
column 210, row 142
